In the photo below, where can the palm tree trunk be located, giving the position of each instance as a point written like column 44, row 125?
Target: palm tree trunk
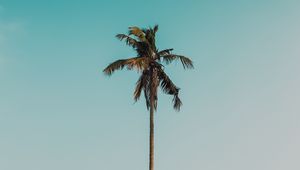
column 153, row 96
column 151, row 153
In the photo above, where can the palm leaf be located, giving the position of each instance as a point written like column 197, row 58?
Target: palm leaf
column 141, row 84
column 166, row 84
column 177, row 103
column 170, row 88
column 186, row 62
column 155, row 28
column 136, row 31
column 138, row 63
column 165, row 52
column 150, row 36
column 129, row 41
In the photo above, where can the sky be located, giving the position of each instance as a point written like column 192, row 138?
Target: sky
column 240, row 103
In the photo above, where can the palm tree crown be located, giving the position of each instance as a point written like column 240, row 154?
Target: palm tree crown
column 149, row 62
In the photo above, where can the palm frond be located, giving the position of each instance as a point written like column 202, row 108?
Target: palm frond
column 177, row 103
column 119, row 64
column 186, row 62
column 136, row 31
column 166, row 84
column 169, row 87
column 129, row 41
column 168, row 58
column 147, row 97
column 138, row 63
column 150, row 36
column 165, row 52
column 155, row 28
column 141, row 84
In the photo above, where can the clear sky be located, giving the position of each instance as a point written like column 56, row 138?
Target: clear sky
column 240, row 103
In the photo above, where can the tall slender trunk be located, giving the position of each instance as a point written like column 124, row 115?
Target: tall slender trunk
column 151, row 151
column 153, row 98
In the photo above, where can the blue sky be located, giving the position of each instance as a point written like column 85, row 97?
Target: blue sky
column 240, row 103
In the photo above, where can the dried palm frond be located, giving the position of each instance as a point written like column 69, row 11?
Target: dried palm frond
column 136, row 31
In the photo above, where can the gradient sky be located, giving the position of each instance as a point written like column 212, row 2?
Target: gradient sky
column 240, row 109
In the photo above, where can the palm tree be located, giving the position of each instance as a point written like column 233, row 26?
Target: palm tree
column 148, row 63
